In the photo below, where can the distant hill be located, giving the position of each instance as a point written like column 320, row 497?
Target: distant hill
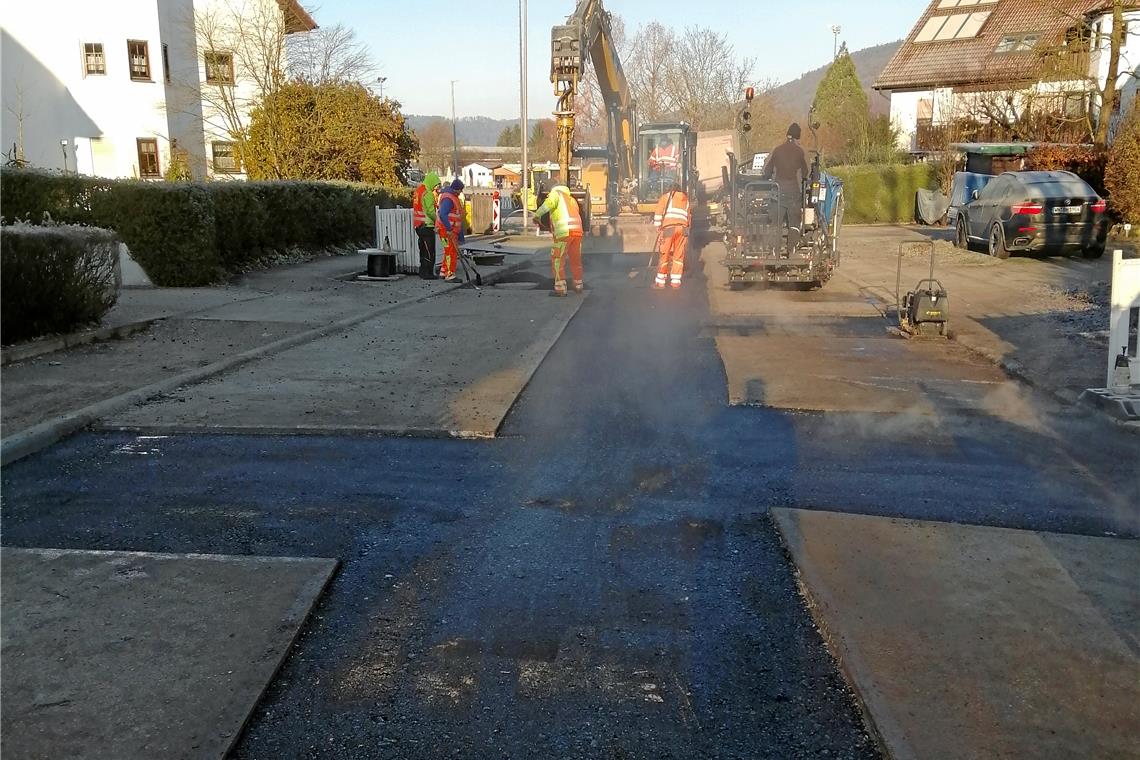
column 471, row 130
column 797, row 95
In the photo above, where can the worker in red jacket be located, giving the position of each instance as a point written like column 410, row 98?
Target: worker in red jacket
column 672, row 218
column 449, row 222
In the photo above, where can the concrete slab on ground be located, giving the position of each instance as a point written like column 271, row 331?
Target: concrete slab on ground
column 55, row 384
column 451, row 366
column 834, row 373
column 969, row 642
column 829, row 350
column 132, row 655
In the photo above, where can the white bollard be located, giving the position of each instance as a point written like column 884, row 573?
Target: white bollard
column 1124, row 308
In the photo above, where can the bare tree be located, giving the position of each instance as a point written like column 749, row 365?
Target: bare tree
column 16, row 157
column 648, row 70
column 435, row 145
column 242, row 43
column 329, row 54
column 707, row 78
column 591, row 118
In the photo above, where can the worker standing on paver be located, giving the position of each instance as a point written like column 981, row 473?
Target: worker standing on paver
column 423, row 220
column 787, row 164
column 672, row 219
column 449, row 223
column 566, row 224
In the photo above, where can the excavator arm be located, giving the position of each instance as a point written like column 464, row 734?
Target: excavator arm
column 587, row 35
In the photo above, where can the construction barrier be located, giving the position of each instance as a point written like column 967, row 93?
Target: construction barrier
column 394, row 232
column 1124, row 315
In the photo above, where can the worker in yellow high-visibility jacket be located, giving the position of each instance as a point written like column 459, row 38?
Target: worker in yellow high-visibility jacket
column 566, row 224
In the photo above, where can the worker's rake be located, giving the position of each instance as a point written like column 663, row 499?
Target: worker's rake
column 470, row 271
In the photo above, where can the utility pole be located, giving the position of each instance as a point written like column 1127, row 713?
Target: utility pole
column 522, row 116
column 454, row 138
column 835, row 30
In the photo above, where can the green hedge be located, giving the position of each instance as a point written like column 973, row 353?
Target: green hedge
column 882, row 193
column 55, row 278
column 189, row 233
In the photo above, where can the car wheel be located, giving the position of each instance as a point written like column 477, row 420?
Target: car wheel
column 1093, row 252
column 997, row 247
column 961, row 239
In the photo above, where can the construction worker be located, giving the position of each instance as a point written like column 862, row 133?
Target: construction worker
column 672, row 219
column 787, row 164
column 423, row 220
column 449, row 223
column 566, row 225
column 664, row 157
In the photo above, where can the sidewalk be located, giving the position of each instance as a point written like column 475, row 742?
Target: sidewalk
column 967, row 641
column 194, row 334
column 1039, row 319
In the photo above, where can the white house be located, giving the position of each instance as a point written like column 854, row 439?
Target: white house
column 962, row 52
column 110, row 89
column 479, row 175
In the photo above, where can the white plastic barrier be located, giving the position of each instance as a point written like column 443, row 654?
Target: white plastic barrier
column 1124, row 307
column 395, row 226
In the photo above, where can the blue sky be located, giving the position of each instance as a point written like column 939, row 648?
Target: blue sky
column 481, row 48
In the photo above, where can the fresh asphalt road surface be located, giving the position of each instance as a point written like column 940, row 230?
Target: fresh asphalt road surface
column 601, row 581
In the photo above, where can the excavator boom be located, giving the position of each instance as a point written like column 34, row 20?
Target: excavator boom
column 587, row 34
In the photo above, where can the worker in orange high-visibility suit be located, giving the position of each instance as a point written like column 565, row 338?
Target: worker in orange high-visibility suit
column 673, row 219
column 449, row 223
column 566, row 224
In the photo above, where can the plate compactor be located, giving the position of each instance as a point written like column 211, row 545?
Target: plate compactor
column 925, row 311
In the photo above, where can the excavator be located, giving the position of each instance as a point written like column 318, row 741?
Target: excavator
column 638, row 163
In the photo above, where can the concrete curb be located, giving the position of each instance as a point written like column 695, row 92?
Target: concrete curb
column 24, row 351
column 830, row 639
column 39, row 437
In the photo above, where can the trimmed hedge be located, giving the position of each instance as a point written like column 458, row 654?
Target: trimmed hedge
column 883, row 193
column 56, row 278
column 191, row 233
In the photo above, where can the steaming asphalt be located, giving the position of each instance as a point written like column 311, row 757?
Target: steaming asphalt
column 601, row 581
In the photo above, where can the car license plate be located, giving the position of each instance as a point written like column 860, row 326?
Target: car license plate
column 1066, row 209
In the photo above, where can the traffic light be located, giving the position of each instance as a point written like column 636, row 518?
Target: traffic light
column 745, row 114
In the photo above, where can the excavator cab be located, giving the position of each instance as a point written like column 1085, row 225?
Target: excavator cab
column 665, row 154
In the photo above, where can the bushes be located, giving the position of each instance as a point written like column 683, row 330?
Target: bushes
column 55, row 278
column 882, row 193
column 190, row 233
column 1085, row 161
column 1122, row 175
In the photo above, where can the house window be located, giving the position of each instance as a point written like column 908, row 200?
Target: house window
column 1017, row 43
column 219, row 68
column 1074, row 105
column 166, row 62
column 94, row 62
column 148, row 157
column 956, row 27
column 138, row 54
column 225, row 158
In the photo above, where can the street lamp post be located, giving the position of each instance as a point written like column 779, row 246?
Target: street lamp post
column 835, row 30
column 380, row 81
column 522, row 115
column 454, row 133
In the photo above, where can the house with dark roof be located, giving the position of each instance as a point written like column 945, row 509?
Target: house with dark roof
column 987, row 63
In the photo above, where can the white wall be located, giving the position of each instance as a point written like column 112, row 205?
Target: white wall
column 43, row 76
column 904, row 115
column 478, row 175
